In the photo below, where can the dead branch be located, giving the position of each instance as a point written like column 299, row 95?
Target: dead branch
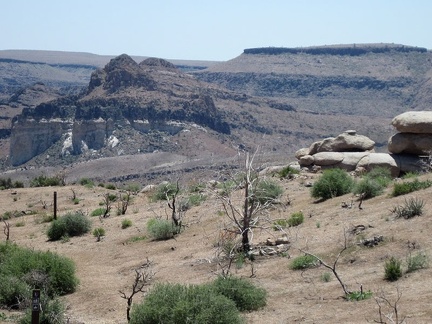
column 6, row 229
column 142, row 279
column 382, row 301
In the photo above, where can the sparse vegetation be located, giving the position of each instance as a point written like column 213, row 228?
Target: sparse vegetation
column 267, row 191
column 44, row 181
column 359, row 295
column 99, row 232
column 332, row 183
column 288, row 172
column 164, row 191
column 411, row 208
column 304, row 262
column 373, row 183
column 8, row 184
column 161, row 229
column 406, row 187
column 86, row 182
column 97, row 212
column 417, row 261
column 392, row 269
column 296, row 219
column 126, row 223
column 71, row 224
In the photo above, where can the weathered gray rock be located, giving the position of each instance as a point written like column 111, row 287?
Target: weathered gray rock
column 348, row 141
column 306, row 160
column 328, row 158
column 410, row 143
column 419, row 122
column 380, row 160
column 302, row 152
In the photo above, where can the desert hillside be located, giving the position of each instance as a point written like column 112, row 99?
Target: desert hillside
column 108, row 266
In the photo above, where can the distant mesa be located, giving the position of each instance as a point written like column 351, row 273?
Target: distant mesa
column 351, row 50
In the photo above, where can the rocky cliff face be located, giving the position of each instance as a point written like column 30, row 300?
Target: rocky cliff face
column 122, row 95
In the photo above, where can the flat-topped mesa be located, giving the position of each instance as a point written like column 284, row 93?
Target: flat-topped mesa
column 348, row 49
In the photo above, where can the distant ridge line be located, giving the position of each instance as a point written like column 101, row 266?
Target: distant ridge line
column 351, row 50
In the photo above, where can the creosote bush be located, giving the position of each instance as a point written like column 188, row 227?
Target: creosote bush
column 71, row 224
column 218, row 302
column 246, row 296
column 392, row 269
column 267, row 191
column 161, row 229
column 304, row 262
column 332, row 183
column 406, row 187
column 296, row 219
column 373, row 183
column 23, row 269
column 288, row 172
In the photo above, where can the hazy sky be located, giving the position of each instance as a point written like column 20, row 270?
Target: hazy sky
column 208, row 30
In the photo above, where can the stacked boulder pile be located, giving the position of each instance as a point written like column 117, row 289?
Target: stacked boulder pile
column 353, row 152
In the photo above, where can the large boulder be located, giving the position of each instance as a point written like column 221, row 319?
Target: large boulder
column 410, row 143
column 380, row 160
column 419, row 122
column 348, row 141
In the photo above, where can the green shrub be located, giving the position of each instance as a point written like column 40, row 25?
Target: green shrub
column 98, row 212
column 23, row 269
column 161, row 229
column 163, row 191
column 133, row 187
column 296, row 219
column 86, row 182
column 304, row 262
column 412, row 207
column 288, row 172
column 332, row 183
column 110, row 186
column 267, row 191
column 197, row 188
column 417, row 261
column 179, row 304
column 126, row 223
column 245, row 295
column 44, row 181
column 99, row 232
column 359, row 295
column 406, row 187
column 369, row 187
column 196, row 199
column 71, row 224
column 392, row 269
column 7, row 184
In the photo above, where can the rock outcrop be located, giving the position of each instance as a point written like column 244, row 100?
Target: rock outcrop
column 415, row 133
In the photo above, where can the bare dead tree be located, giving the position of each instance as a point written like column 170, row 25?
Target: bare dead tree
column 332, row 267
column 123, row 203
column 107, row 204
column 6, row 229
column 143, row 277
column 245, row 215
column 384, row 302
column 177, row 213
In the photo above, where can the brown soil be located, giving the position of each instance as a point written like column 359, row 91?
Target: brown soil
column 108, row 266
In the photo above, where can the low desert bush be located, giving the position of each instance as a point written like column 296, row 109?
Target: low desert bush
column 126, row 223
column 280, row 224
column 406, row 187
column 44, row 181
column 417, row 262
column 245, row 295
column 161, row 229
column 98, row 212
column 411, row 208
column 23, row 269
column 98, row 233
column 392, row 269
column 86, row 182
column 332, row 183
column 110, row 186
column 369, row 187
column 304, row 262
column 288, row 172
column 359, row 295
column 267, row 191
column 71, row 224
column 175, row 303
column 163, row 191
column 296, row 219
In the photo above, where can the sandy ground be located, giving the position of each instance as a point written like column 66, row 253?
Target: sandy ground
column 106, row 267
